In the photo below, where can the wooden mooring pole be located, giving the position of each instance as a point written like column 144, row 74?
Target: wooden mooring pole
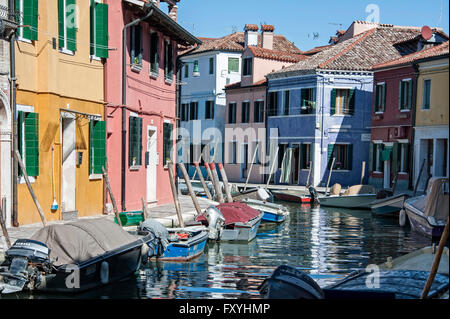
column 175, row 193
column 202, row 180
column 271, row 168
column 363, row 172
column 4, row 229
column 225, row 182
column 144, row 208
column 189, row 187
column 418, row 178
column 251, row 167
column 219, row 194
column 30, row 188
column 111, row 195
column 329, row 176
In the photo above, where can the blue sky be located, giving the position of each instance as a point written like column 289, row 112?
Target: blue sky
column 306, row 23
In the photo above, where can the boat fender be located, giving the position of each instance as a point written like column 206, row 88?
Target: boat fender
column 145, row 249
column 104, row 272
column 402, row 218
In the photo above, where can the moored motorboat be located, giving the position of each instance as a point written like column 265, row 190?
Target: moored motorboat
column 355, row 197
column 273, row 213
column 231, row 221
column 296, row 196
column 72, row 257
column 428, row 213
column 388, row 206
column 175, row 244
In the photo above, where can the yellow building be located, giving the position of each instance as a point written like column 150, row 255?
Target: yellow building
column 60, row 53
column 431, row 140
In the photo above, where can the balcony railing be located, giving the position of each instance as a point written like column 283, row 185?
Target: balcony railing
column 9, row 14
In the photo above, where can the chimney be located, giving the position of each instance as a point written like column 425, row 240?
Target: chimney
column 251, row 34
column 173, row 12
column 267, row 36
column 156, row 3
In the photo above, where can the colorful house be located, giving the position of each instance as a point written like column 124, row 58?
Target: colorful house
column 394, row 105
column 322, row 106
column 203, row 98
column 245, row 114
column 141, row 94
column 9, row 20
column 60, row 51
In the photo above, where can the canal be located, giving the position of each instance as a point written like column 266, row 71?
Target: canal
column 327, row 243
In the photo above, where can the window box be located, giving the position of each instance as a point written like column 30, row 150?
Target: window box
column 136, row 68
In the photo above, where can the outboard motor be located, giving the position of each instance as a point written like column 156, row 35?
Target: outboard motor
column 313, row 193
column 15, row 271
column 215, row 222
column 287, row 282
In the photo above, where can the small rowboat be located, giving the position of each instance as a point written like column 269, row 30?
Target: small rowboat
column 273, row 213
column 356, row 197
column 293, row 196
column 388, row 206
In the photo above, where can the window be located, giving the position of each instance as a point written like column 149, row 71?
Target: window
column 233, row 65
column 273, row 104
column 426, row 95
column 97, row 155
column 247, row 66
column 232, row 113
column 306, row 156
column 281, row 152
column 209, row 110
column 186, row 70
column 168, row 142
column 405, row 95
column 380, row 97
column 194, row 111
column 308, row 101
column 135, row 142
column 67, row 30
column 343, row 154
column 257, row 145
column 168, row 61
column 28, row 16
column 245, row 112
column 184, row 112
column 28, row 141
column 233, row 152
column 99, row 29
column 375, row 157
column 286, row 102
column 154, row 53
column 211, row 65
column 136, row 45
column 259, row 112
column 342, row 101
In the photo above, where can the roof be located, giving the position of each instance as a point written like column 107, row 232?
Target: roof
column 317, row 49
column 251, row 27
column 237, row 85
column 359, row 53
column 276, row 55
column 435, row 51
column 267, row 27
column 236, row 42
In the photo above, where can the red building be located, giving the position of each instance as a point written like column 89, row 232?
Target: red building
column 141, row 97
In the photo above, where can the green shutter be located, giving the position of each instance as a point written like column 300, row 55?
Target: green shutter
column 395, row 158
column 92, row 27
column 101, row 30
column 99, row 141
column 330, row 154
column 351, row 104
column 400, row 95
column 233, row 65
column 71, row 25
column 410, row 94
column 139, row 146
column 20, row 133
column 30, row 17
column 333, row 102
column 375, row 104
column 349, row 165
column 61, row 23
column 132, row 142
column 31, row 121
column 383, row 94
column 371, row 157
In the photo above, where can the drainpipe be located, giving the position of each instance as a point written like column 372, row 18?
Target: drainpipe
column 12, row 41
column 124, row 101
column 413, row 123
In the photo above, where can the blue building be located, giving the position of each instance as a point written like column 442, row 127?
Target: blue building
column 321, row 107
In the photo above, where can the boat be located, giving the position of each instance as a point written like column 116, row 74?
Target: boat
column 197, row 187
column 253, row 193
column 231, row 221
column 355, row 197
column 175, row 244
column 296, row 196
column 428, row 213
column 72, row 257
column 273, row 213
column 400, row 278
column 388, row 206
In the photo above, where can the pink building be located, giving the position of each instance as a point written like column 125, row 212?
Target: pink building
column 141, row 96
column 245, row 115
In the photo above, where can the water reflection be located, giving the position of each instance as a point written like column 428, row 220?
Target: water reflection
column 327, row 243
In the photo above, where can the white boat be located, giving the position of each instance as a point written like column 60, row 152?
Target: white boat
column 357, row 196
column 428, row 213
column 389, row 205
column 273, row 213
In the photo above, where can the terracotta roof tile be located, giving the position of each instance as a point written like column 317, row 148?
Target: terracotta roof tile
column 251, row 27
column 267, row 27
column 276, row 55
column 434, row 51
column 238, row 85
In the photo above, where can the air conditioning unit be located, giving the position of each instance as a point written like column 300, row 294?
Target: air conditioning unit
column 399, row 132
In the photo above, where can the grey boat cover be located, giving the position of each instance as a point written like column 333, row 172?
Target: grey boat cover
column 158, row 229
column 360, row 189
column 82, row 240
column 437, row 199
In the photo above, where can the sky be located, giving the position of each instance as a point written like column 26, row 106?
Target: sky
column 306, row 23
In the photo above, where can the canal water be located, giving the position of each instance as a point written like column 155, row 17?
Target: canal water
column 327, row 243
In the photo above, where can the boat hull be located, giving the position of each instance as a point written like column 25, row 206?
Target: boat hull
column 292, row 198
column 273, row 217
column 242, row 231
column 361, row 201
column 420, row 223
column 388, row 206
column 184, row 251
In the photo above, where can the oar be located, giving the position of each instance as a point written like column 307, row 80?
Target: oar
column 329, row 176
column 251, row 167
column 436, row 262
column 418, row 178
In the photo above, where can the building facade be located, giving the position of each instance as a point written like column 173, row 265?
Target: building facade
column 141, row 95
column 60, row 52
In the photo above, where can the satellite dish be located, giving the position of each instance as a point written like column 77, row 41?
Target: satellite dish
column 427, row 33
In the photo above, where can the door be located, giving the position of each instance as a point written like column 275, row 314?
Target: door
column 152, row 162
column 296, row 164
column 68, row 195
column 387, row 174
